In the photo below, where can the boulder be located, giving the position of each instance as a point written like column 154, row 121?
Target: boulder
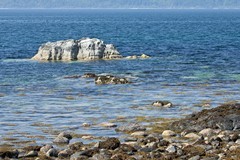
column 110, row 143
column 82, row 49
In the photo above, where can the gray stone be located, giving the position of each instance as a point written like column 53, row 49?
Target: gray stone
column 108, row 125
column 82, row 49
column 100, row 157
column 165, row 104
column 110, row 143
column 46, row 148
column 238, row 141
column 52, row 153
column 192, row 136
column 65, row 134
column 132, row 127
column 171, row 149
column 31, row 154
column 195, row 158
column 168, row 133
column 61, row 140
column 139, row 133
column 65, row 153
column 207, row 132
column 75, row 146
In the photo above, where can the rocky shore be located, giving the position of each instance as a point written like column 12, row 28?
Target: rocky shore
column 212, row 134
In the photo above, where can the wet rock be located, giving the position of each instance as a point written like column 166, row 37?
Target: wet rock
column 171, row 149
column 144, row 56
column 163, row 143
column 31, row 154
column 66, row 135
column 225, row 117
column 32, row 148
column 108, row 124
column 132, row 57
column 52, row 153
column 89, row 75
column 100, row 157
column 165, row 104
column 46, row 148
column 110, row 143
column 82, row 49
column 109, row 79
column 63, row 137
column 120, row 156
column 145, row 149
column 150, row 139
column 65, row 153
column 88, row 137
column 130, row 139
column 90, row 152
column 186, row 131
column 238, row 141
column 139, row 133
column 192, row 136
column 75, row 146
column 195, row 158
column 207, row 132
column 9, row 154
column 168, row 133
column 127, row 148
column 234, row 147
column 77, row 156
column 86, row 125
column 133, row 127
column 234, row 137
column 72, row 77
column 61, row 140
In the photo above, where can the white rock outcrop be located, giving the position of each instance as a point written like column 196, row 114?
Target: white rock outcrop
column 70, row 50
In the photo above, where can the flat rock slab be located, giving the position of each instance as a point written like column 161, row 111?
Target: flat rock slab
column 224, row 117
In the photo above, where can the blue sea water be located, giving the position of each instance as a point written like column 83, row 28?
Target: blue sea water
column 195, row 57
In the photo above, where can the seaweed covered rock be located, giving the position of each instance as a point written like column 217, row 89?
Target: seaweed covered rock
column 109, row 79
column 82, row 49
column 224, row 117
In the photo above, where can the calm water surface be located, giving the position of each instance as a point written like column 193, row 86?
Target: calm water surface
column 195, row 60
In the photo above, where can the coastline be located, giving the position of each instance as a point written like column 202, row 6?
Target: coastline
column 141, row 142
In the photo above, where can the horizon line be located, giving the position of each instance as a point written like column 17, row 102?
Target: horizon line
column 191, row 8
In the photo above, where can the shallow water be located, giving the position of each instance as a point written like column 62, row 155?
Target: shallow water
column 194, row 61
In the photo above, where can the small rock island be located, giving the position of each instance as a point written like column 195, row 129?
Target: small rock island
column 72, row 50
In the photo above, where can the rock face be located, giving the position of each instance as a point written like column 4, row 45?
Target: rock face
column 225, row 117
column 83, row 49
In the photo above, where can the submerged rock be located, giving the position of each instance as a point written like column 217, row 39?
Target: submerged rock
column 225, row 117
column 143, row 56
column 132, row 127
column 89, row 75
column 109, row 79
column 82, row 49
column 165, row 104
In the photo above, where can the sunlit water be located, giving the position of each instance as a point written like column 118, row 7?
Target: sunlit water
column 195, row 57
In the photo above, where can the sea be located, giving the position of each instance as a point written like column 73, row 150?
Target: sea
column 194, row 63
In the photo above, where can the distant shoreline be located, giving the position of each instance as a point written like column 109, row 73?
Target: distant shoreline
column 119, row 8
